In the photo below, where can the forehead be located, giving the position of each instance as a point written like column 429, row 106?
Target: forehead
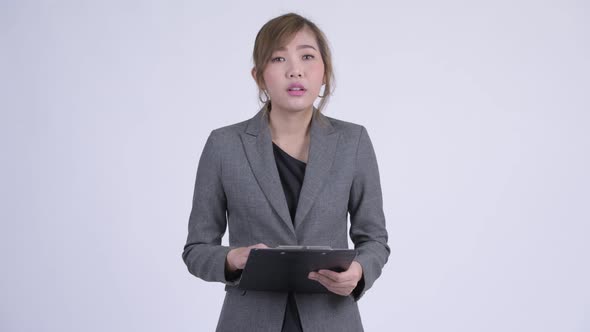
column 304, row 38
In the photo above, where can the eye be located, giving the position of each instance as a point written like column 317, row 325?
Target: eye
column 308, row 56
column 277, row 59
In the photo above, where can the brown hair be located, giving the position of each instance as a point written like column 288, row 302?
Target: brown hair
column 277, row 33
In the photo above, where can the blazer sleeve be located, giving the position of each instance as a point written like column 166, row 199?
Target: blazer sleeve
column 203, row 253
column 367, row 220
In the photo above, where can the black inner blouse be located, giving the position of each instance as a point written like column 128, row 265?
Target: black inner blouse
column 291, row 172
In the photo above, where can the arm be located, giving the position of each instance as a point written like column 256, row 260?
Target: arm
column 367, row 220
column 203, row 253
column 367, row 228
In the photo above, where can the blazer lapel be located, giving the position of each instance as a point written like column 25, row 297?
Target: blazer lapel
column 322, row 150
column 257, row 142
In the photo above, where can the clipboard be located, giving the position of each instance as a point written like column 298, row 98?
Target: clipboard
column 285, row 268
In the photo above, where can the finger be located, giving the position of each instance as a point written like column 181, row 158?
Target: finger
column 343, row 292
column 240, row 263
column 256, row 246
column 246, row 252
column 328, row 282
column 337, row 290
column 338, row 277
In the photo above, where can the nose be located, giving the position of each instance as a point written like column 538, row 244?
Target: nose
column 295, row 70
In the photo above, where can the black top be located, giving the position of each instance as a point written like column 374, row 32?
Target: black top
column 291, row 172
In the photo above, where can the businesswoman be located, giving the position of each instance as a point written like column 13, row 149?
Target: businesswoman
column 288, row 176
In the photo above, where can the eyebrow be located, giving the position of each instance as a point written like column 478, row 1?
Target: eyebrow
column 297, row 48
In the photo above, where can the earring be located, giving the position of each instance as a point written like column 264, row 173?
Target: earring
column 266, row 95
column 324, row 93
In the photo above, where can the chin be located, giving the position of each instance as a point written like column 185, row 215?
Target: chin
column 295, row 108
column 300, row 109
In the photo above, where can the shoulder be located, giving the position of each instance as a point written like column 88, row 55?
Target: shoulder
column 347, row 130
column 343, row 126
column 229, row 132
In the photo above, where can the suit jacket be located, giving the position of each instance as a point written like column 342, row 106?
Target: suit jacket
column 238, row 186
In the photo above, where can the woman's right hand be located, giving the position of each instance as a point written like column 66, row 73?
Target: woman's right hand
column 237, row 257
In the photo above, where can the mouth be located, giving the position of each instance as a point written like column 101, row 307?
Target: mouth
column 296, row 89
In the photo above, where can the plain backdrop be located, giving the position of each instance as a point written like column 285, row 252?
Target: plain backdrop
column 478, row 112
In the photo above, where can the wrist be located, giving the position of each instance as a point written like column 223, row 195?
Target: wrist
column 358, row 268
column 228, row 265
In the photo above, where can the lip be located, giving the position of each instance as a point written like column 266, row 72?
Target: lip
column 296, row 92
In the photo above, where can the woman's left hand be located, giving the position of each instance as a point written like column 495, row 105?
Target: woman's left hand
column 341, row 283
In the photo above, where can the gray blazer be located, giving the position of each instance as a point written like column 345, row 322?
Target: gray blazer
column 238, row 185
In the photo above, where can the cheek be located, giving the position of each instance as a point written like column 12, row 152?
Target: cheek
column 319, row 71
column 318, row 76
column 270, row 80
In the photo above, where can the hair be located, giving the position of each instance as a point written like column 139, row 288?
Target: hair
column 277, row 33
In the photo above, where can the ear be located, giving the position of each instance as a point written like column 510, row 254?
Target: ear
column 254, row 73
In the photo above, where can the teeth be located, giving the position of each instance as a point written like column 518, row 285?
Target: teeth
column 296, row 89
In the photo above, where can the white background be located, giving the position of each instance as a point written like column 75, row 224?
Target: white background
column 478, row 111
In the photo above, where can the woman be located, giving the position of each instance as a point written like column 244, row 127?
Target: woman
column 288, row 176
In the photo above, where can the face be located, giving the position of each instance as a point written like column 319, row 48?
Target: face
column 295, row 74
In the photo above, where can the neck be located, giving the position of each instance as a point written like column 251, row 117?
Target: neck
column 285, row 124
